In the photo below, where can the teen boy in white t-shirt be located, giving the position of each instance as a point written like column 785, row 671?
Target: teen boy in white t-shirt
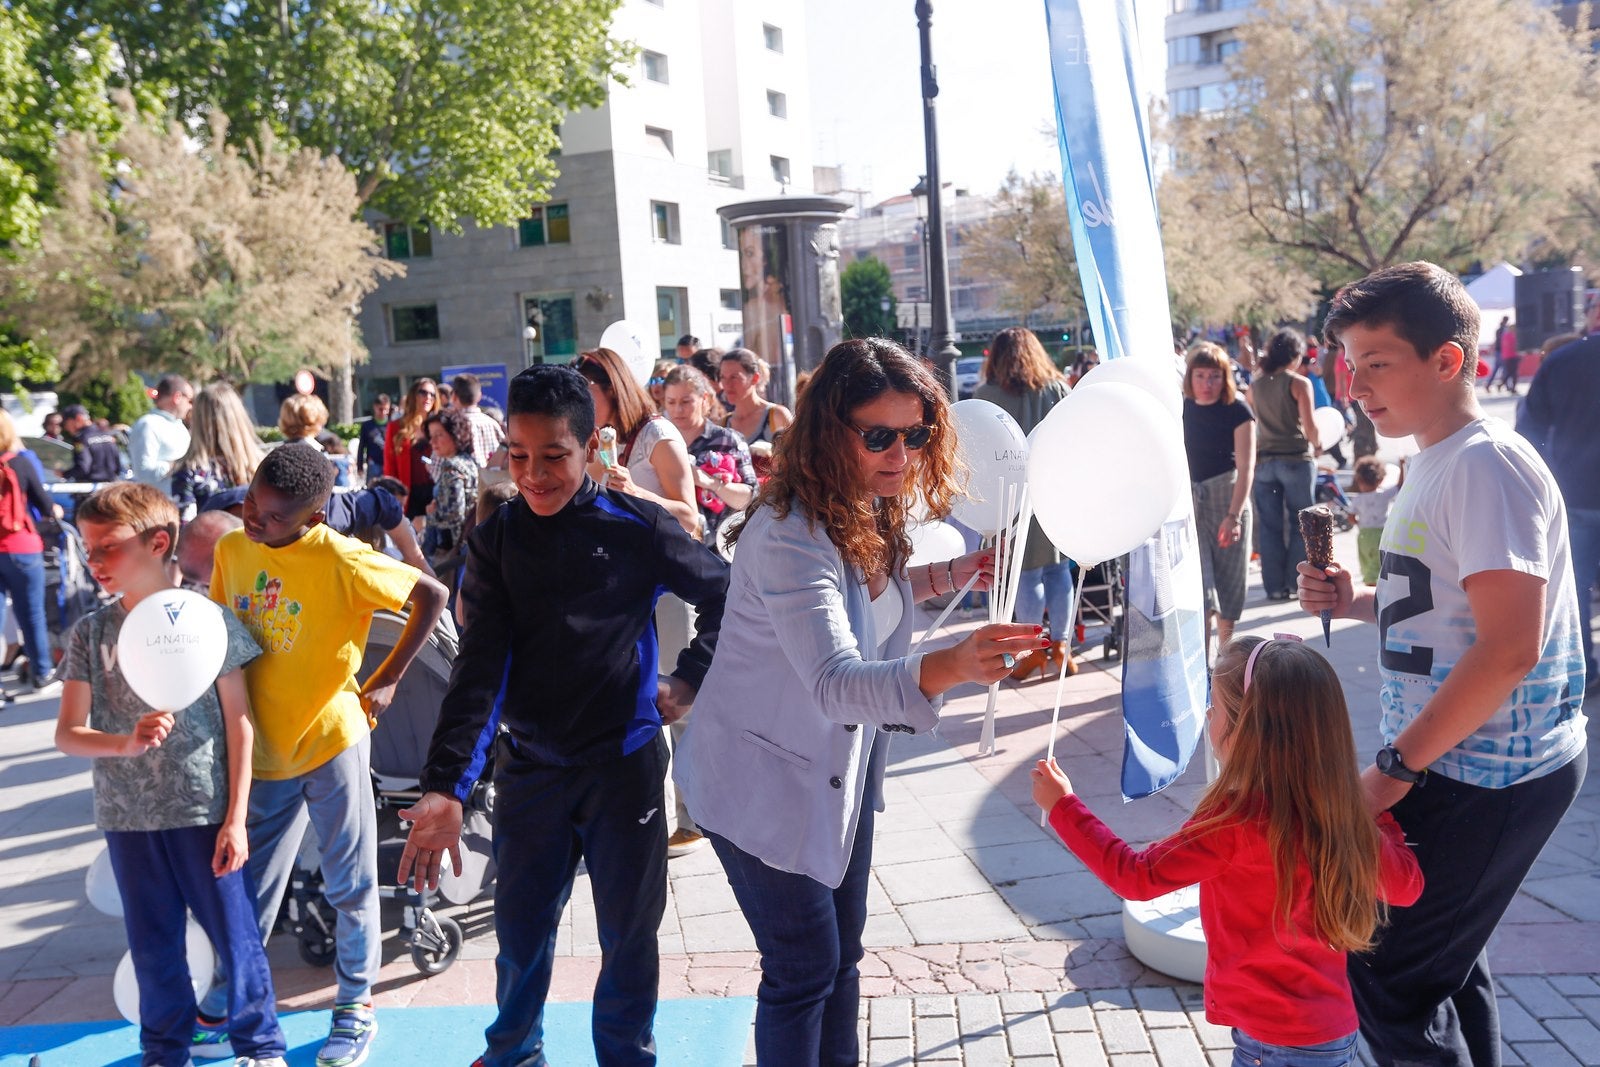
column 1479, row 655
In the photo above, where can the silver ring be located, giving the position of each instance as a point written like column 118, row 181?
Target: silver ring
column 1008, row 660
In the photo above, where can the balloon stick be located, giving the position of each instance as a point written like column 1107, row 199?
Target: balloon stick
column 1061, row 680
column 945, row 614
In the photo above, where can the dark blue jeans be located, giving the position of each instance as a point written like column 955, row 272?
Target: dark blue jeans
column 1248, row 1052
column 810, row 942
column 1583, row 526
column 22, row 578
column 1282, row 487
column 158, row 874
column 545, row 819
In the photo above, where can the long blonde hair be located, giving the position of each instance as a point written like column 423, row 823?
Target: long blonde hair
column 1291, row 760
column 814, row 464
column 9, row 441
column 221, row 433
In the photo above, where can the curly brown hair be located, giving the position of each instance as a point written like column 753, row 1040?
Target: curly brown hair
column 457, row 425
column 814, row 464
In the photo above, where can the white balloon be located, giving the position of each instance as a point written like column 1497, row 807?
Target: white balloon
column 1394, row 449
column 1101, row 516
column 101, row 885
column 725, row 547
column 171, row 648
column 1330, row 426
column 1155, row 376
column 935, row 542
column 629, row 343
column 994, row 448
column 202, row 962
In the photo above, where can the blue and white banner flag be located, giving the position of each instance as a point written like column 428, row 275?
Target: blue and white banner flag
column 1101, row 112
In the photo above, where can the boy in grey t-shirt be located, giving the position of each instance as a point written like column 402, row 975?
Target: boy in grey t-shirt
column 1483, row 727
column 171, row 789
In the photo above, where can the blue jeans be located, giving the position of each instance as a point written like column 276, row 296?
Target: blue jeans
column 809, row 937
column 1282, row 488
column 22, row 577
column 1248, row 1052
column 1583, row 530
column 1050, row 588
column 158, row 874
column 337, row 799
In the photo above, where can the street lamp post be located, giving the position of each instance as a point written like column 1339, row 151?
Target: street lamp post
column 944, row 352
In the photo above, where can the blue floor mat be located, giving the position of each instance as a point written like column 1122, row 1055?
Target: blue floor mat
column 699, row 1032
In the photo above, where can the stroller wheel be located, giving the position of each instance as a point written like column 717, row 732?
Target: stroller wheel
column 436, row 943
column 317, row 949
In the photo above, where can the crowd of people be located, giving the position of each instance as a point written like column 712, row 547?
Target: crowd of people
column 646, row 696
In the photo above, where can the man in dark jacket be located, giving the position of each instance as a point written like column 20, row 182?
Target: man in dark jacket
column 1559, row 418
column 95, row 456
column 560, row 651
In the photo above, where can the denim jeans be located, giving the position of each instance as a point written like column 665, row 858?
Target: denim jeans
column 1047, row 587
column 22, row 578
column 809, row 937
column 335, row 798
column 159, row 873
column 1583, row 529
column 1248, row 1052
column 1282, row 487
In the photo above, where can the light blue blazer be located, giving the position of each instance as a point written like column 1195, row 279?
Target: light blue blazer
column 776, row 753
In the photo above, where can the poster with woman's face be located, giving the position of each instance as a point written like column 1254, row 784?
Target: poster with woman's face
column 763, row 262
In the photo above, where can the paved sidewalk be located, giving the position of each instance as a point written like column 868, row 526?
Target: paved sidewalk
column 988, row 942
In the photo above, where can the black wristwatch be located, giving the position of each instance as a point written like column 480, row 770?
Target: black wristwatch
column 1390, row 764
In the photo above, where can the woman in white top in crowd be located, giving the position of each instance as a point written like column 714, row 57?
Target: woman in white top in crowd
column 756, row 418
column 782, row 761
column 651, row 461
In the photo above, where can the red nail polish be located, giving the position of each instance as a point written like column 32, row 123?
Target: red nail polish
column 1038, row 629
column 1044, row 642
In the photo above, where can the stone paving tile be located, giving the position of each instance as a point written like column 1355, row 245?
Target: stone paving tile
column 1579, row 1036
column 914, row 883
column 1538, row 996
column 1030, row 1034
column 1178, row 1048
column 1081, row 1049
column 1546, row 1054
column 1122, row 1031
column 981, row 917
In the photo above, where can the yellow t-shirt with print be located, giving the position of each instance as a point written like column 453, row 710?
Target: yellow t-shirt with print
column 309, row 606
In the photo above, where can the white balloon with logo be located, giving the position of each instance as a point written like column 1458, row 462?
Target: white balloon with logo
column 630, row 344
column 995, row 450
column 171, row 648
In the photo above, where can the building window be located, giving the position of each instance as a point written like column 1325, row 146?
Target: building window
column 545, row 225
column 1181, row 50
column 780, row 170
column 913, row 256
column 401, row 241
column 664, row 222
column 773, row 36
column 1184, row 101
column 657, row 141
column 556, row 335
column 655, row 67
column 413, row 322
column 1227, row 49
column 777, row 104
column 732, row 299
column 719, row 165
column 672, row 318
column 728, row 240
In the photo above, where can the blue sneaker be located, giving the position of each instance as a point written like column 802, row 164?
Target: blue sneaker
column 351, row 1037
column 211, row 1041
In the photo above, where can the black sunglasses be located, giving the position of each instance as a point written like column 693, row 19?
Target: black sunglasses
column 881, row 438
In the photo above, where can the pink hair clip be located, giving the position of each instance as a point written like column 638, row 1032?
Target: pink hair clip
column 1250, row 664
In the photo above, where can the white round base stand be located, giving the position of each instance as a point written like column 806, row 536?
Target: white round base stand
column 1164, row 934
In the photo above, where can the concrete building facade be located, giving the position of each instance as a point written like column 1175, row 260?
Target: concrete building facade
column 716, row 112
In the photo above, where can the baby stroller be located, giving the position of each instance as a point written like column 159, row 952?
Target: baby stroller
column 399, row 748
column 1329, row 492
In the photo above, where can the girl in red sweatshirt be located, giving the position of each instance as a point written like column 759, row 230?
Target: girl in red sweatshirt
column 1294, row 873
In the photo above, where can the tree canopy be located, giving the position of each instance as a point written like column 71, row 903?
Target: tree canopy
column 1363, row 133
column 209, row 260
column 442, row 109
column 1026, row 246
column 863, row 287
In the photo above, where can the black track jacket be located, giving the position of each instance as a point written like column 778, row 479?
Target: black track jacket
column 560, row 645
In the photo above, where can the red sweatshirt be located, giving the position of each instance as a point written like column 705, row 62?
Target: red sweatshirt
column 1280, row 986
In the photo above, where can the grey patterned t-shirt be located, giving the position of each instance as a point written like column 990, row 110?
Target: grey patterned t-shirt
column 185, row 781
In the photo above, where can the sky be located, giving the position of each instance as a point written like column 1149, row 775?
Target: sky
column 994, row 102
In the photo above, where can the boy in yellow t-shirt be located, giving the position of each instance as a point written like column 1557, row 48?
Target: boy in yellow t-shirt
column 307, row 594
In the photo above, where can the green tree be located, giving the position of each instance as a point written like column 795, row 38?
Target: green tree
column 442, row 109
column 1026, row 246
column 1363, row 133
column 863, row 287
column 207, row 260
column 117, row 398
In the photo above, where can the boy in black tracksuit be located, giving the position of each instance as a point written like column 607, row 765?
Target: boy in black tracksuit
column 560, row 648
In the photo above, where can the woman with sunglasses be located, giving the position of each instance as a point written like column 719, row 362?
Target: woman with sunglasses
column 406, row 450
column 783, row 758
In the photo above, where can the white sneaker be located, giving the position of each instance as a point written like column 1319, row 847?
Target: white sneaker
column 270, row 1061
